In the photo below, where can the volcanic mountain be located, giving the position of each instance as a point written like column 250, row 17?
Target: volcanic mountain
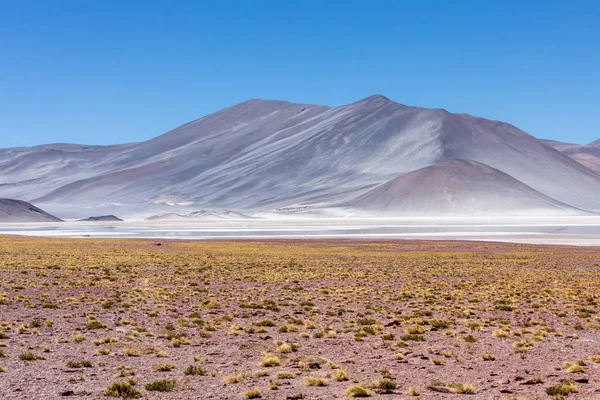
column 20, row 211
column 458, row 187
column 265, row 155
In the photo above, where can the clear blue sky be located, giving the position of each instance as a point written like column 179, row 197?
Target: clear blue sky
column 101, row 72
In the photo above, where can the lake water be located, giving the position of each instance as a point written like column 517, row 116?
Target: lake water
column 558, row 230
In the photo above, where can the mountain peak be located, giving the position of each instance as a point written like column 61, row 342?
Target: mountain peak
column 377, row 100
column 377, row 97
column 259, row 102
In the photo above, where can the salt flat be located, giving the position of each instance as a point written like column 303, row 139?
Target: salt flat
column 577, row 230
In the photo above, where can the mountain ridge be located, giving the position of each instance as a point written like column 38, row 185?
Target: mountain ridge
column 267, row 154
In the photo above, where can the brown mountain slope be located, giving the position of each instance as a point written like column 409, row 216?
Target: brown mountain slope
column 458, row 187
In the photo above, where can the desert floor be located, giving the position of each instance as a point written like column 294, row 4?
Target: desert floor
column 285, row 319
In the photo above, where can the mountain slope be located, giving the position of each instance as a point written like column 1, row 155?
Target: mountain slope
column 587, row 155
column 260, row 155
column 595, row 143
column 21, row 211
column 457, row 187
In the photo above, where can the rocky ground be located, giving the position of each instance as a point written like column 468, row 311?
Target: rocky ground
column 297, row 320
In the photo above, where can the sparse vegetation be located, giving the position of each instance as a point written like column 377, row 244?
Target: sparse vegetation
column 315, row 381
column 194, row 370
column 164, row 385
column 80, row 364
column 275, row 315
column 29, row 356
column 462, row 388
column 358, row 391
column 252, row 394
column 163, row 367
column 285, row 375
column 564, row 388
column 269, row 360
column 339, row 375
column 231, row 379
column 123, row 390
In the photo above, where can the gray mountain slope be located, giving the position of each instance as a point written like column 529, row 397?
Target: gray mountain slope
column 261, row 155
column 587, row 155
column 20, row 211
column 457, row 187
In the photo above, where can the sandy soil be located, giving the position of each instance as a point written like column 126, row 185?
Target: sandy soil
column 501, row 320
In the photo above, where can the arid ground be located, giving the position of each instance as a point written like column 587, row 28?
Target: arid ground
column 311, row 319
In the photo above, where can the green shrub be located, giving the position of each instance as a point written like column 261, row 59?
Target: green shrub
column 164, row 385
column 123, row 390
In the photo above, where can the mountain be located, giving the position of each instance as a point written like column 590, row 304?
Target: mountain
column 20, row 211
column 457, row 187
column 263, row 155
column 587, row 155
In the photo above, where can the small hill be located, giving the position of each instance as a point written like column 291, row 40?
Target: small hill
column 102, row 218
column 20, row 211
column 458, row 187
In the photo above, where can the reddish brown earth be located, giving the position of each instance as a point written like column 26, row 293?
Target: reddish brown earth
column 352, row 306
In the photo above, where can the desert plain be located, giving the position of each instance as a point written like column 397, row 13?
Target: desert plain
column 297, row 319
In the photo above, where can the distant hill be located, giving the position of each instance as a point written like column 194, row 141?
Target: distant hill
column 587, row 155
column 21, row 211
column 102, row 218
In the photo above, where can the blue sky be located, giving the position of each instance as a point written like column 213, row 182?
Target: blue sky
column 103, row 72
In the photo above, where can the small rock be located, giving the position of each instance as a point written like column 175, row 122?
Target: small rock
column 531, row 382
column 385, row 391
column 440, row 389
